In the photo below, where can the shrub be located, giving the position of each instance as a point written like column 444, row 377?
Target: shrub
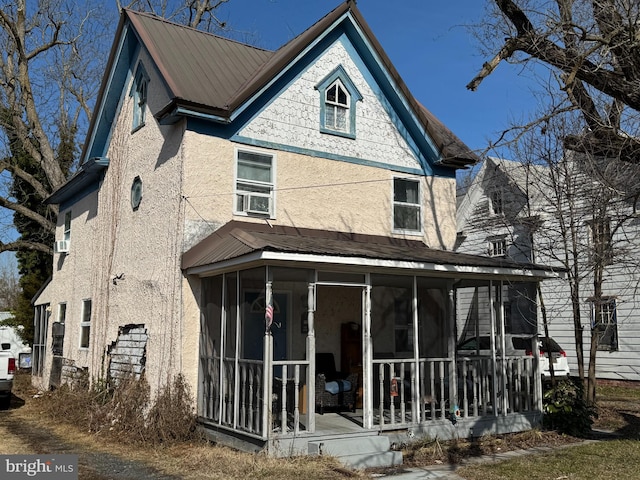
column 125, row 410
column 566, row 410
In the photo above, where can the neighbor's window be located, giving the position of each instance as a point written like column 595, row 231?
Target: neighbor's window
column 604, row 321
column 497, row 202
column 85, row 323
column 139, row 93
column 338, row 97
column 407, row 210
column 497, row 247
column 254, row 183
column 601, row 241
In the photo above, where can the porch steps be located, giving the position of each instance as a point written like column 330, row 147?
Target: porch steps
column 359, row 452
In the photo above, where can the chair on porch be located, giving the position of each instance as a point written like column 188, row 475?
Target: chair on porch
column 333, row 388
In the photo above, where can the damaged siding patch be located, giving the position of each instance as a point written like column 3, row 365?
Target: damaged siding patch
column 128, row 354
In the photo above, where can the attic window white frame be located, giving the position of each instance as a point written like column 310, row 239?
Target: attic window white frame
column 251, row 191
column 402, row 205
column 496, row 201
column 332, row 103
column 139, row 92
column 497, row 247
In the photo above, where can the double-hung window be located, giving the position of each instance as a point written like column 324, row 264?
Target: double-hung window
column 604, row 320
column 407, row 209
column 497, row 202
column 62, row 246
column 338, row 98
column 139, row 94
column 336, row 112
column 85, row 323
column 497, row 247
column 254, row 183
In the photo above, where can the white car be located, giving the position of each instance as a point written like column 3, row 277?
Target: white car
column 522, row 345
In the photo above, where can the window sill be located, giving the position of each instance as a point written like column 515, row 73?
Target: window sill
column 338, row 133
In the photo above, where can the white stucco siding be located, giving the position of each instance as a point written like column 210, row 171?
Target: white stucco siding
column 137, row 268
column 70, row 282
column 127, row 262
column 293, row 117
column 310, row 192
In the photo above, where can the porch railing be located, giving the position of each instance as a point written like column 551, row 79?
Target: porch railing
column 290, row 399
column 232, row 395
column 405, row 394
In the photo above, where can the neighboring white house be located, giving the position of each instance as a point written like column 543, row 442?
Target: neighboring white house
column 510, row 211
column 238, row 210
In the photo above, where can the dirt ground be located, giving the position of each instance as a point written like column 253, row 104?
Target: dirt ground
column 24, row 430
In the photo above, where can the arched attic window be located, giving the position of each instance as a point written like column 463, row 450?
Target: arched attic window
column 338, row 97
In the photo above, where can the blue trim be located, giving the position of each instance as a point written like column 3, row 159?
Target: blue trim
column 376, row 76
column 318, row 154
column 114, row 93
column 339, row 73
column 85, row 180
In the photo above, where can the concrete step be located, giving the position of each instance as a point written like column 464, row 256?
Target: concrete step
column 361, row 452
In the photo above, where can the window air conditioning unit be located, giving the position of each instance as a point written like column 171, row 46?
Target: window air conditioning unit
column 257, row 204
column 61, row 246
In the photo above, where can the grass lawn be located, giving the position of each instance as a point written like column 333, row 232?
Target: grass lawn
column 617, row 458
column 614, row 459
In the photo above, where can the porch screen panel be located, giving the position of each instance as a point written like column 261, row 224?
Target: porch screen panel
column 432, row 320
column 251, row 374
column 209, row 395
column 393, row 346
column 391, row 316
column 230, row 350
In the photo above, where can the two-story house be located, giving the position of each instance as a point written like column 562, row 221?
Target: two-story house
column 521, row 212
column 241, row 214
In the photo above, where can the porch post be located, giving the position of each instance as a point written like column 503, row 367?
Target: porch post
column 267, row 388
column 451, row 346
column 494, row 377
column 311, row 357
column 415, row 384
column 536, row 358
column 367, row 352
column 503, row 349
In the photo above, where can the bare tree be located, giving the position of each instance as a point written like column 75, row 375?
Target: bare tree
column 588, row 212
column 592, row 49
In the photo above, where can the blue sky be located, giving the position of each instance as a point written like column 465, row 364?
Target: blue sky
column 428, row 43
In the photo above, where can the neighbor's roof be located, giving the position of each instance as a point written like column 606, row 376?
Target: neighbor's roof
column 211, row 74
column 256, row 241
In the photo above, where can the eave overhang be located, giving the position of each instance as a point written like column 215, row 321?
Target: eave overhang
column 312, row 260
column 89, row 173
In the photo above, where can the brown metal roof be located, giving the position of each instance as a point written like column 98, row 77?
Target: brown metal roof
column 237, row 239
column 199, row 67
column 215, row 75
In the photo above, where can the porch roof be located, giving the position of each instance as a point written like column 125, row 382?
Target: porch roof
column 239, row 244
